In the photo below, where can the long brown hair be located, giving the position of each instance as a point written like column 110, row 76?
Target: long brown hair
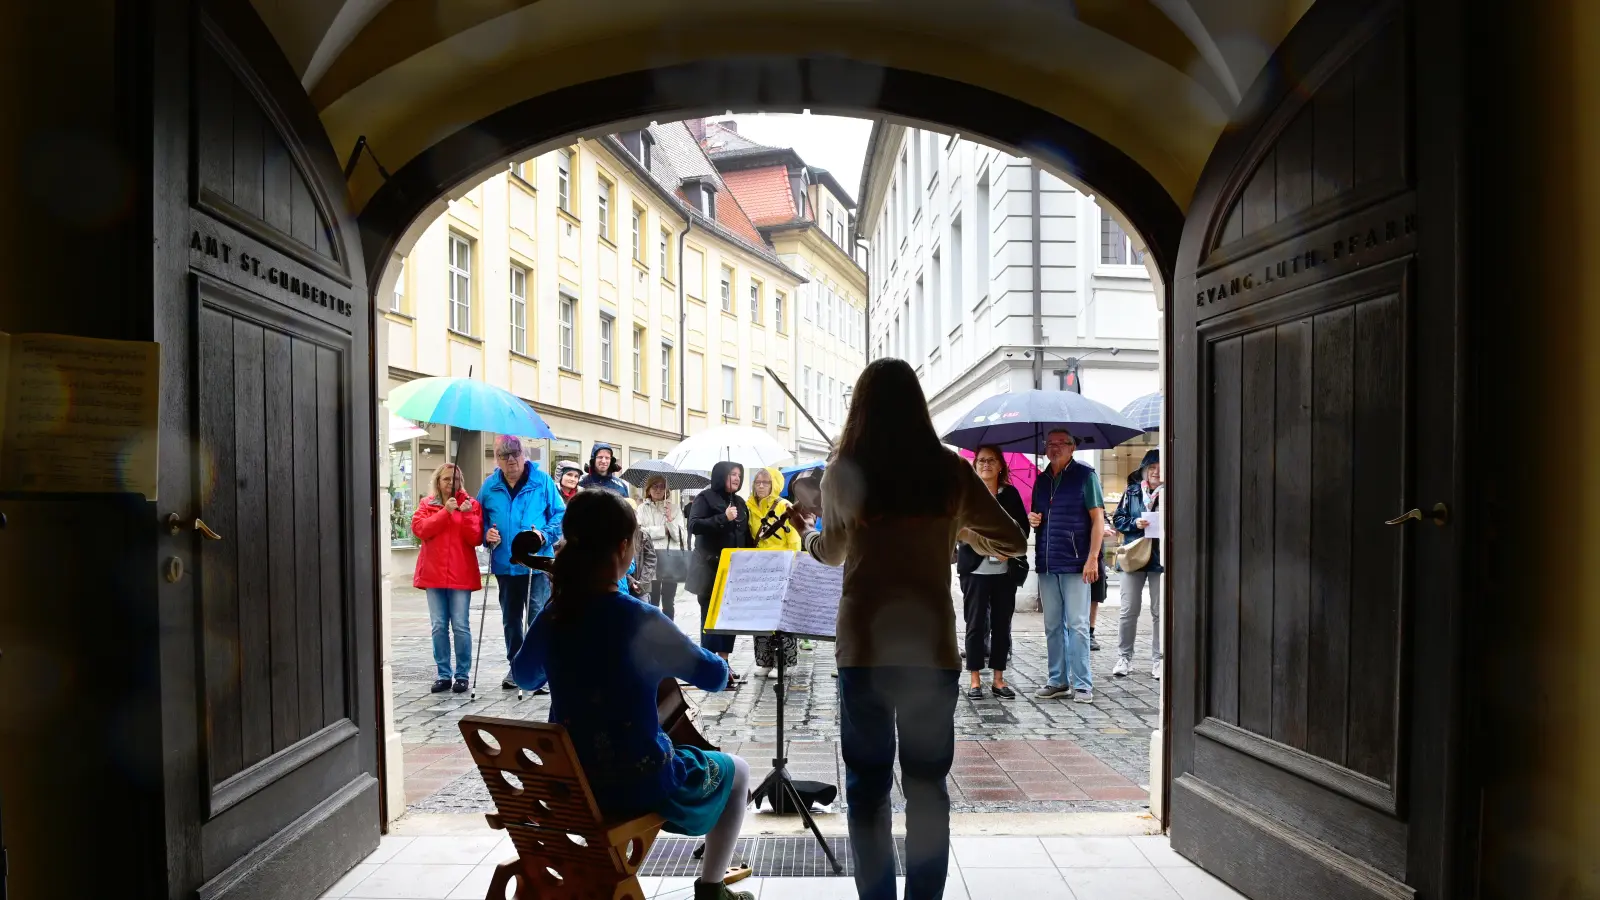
column 889, row 442
column 595, row 524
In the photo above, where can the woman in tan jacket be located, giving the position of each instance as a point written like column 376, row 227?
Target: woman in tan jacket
column 896, row 502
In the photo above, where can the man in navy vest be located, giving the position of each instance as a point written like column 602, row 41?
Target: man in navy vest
column 1068, row 511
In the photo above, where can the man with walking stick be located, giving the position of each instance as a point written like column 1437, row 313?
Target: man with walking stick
column 518, row 497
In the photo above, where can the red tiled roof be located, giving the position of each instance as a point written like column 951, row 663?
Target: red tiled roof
column 764, row 193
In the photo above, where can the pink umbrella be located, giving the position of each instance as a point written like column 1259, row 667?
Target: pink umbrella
column 1023, row 474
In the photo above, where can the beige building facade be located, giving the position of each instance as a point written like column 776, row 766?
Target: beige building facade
column 560, row 279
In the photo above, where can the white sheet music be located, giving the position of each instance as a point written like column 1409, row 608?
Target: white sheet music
column 764, row 591
column 752, row 599
column 811, row 603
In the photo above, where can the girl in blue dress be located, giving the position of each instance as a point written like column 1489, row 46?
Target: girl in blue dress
column 603, row 654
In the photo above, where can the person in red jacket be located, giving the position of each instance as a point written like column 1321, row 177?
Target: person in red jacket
column 449, row 525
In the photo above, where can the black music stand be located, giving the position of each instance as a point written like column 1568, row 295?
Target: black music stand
column 778, row 787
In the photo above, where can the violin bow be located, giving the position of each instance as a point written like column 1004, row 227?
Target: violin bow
column 797, row 405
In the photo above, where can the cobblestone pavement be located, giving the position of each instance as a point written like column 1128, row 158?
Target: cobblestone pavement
column 1012, row 755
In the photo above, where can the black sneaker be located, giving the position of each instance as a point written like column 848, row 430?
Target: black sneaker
column 507, row 684
column 460, row 687
column 543, row 690
column 440, row 686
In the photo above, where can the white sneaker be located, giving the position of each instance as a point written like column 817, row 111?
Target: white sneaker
column 766, row 673
column 1155, row 670
column 1082, row 696
column 1122, row 668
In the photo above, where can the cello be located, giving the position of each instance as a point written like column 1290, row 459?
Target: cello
column 673, row 709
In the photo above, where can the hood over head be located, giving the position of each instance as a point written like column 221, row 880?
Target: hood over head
column 719, row 477
column 776, row 475
column 594, row 451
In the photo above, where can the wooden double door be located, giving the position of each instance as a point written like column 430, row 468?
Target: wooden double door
column 1315, row 406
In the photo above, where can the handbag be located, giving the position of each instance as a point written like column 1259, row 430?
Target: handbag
column 1132, row 557
column 1017, row 569
column 672, row 565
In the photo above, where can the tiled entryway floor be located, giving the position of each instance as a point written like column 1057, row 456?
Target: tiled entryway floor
column 981, row 868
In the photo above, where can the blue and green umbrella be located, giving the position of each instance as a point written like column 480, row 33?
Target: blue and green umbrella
column 467, row 403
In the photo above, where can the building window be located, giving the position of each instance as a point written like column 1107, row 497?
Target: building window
column 980, row 271
column 805, row 386
column 569, row 324
column 666, row 371
column 727, row 289
column 397, row 301
column 782, row 404
column 957, row 249
column 603, row 207
column 829, row 219
column 755, row 302
column 519, row 310
column 564, row 180
column 638, row 234
column 1116, row 248
column 935, row 308
column 607, row 326
column 758, row 392
column 666, row 253
column 638, row 359
column 730, row 388
column 778, row 313
column 460, row 284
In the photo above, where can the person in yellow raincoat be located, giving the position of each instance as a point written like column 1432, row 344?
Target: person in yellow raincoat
column 770, row 530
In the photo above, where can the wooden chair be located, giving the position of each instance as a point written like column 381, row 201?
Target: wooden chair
column 565, row 850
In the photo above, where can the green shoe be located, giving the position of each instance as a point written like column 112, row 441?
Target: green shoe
column 718, row 890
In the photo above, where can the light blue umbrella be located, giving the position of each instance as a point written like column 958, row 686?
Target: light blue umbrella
column 467, row 403
column 1145, row 411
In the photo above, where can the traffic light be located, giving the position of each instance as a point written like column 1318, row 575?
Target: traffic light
column 1070, row 380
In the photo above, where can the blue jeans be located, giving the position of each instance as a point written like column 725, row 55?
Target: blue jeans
column 447, row 613
column 918, row 704
column 1065, row 601
column 518, row 607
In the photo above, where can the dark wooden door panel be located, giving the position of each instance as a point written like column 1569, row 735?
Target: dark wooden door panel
column 1310, row 642
column 268, row 694
column 251, row 618
column 1296, row 363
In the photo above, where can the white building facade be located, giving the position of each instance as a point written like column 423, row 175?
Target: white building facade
column 990, row 275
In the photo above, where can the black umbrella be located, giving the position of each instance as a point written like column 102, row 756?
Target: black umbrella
column 677, row 479
column 1020, row 422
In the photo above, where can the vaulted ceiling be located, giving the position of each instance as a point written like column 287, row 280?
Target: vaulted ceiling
column 1158, row 79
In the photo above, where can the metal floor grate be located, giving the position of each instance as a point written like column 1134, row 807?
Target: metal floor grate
column 769, row 857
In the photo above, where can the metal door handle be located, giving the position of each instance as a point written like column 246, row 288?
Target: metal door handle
column 175, row 523
column 1439, row 515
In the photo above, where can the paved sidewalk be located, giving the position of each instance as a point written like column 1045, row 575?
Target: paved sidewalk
column 1021, row 755
column 440, row 863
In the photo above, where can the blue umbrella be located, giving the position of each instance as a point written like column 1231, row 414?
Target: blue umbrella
column 1019, row 422
column 467, row 403
column 790, row 472
column 1145, row 411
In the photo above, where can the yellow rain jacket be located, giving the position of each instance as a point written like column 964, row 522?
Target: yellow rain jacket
column 764, row 512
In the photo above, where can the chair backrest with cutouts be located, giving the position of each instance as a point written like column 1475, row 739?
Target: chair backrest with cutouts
column 541, row 796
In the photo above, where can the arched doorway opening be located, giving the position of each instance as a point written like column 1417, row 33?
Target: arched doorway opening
column 574, row 263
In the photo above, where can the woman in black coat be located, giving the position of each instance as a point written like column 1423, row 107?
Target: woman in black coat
column 989, row 584
column 719, row 521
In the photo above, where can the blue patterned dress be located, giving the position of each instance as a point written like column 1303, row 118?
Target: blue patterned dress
column 603, row 660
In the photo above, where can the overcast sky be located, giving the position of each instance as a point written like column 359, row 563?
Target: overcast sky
column 827, row 142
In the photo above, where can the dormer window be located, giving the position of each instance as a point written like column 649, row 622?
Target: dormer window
column 702, row 196
column 640, row 144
